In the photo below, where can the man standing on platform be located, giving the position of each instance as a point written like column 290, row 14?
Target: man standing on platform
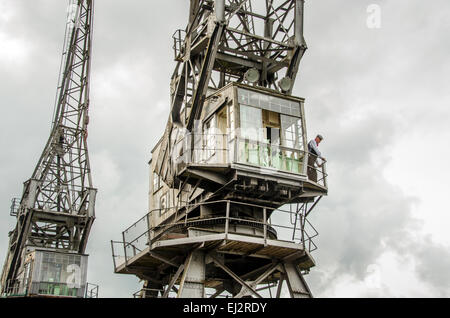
column 314, row 154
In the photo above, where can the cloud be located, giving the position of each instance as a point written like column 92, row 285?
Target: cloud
column 13, row 51
column 370, row 101
column 433, row 262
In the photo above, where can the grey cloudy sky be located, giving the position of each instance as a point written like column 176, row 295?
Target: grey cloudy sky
column 379, row 96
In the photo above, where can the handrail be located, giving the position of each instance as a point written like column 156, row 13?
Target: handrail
column 213, row 148
column 15, row 205
column 132, row 246
column 178, row 41
column 188, row 206
column 91, row 290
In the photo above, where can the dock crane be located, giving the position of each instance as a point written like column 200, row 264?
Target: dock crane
column 233, row 154
column 46, row 252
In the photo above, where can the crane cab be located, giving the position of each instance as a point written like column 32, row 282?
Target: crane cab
column 249, row 143
column 249, row 133
column 51, row 274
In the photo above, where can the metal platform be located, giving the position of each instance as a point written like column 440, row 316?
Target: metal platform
column 163, row 251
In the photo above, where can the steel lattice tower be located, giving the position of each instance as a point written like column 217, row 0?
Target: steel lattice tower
column 56, row 210
column 233, row 153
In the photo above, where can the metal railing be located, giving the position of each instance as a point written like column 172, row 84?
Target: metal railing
column 219, row 149
column 278, row 226
column 15, row 205
column 14, row 290
column 279, row 158
column 203, row 149
column 272, row 156
column 178, row 42
column 91, row 291
column 118, row 259
column 317, row 172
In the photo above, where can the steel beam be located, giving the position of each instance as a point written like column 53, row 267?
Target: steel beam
column 193, row 279
column 235, row 277
column 296, row 283
column 172, row 282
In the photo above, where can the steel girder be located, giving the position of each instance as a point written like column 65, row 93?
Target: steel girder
column 192, row 274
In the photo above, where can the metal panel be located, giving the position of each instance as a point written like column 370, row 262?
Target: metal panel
column 59, row 274
column 193, row 280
